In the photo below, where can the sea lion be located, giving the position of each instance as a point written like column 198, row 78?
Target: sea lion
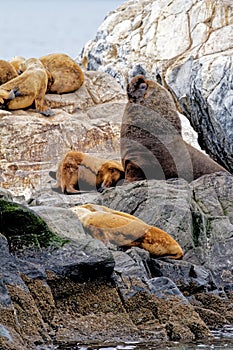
column 125, row 230
column 7, row 72
column 78, row 170
column 66, row 74
column 151, row 143
column 16, row 61
column 152, row 95
column 27, row 88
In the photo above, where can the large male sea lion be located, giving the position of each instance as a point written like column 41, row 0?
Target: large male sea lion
column 66, row 74
column 151, row 143
column 78, row 171
column 27, row 88
column 125, row 230
column 152, row 95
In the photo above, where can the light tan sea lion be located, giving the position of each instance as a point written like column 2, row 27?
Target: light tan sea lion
column 125, row 230
column 78, row 170
column 66, row 74
column 16, row 61
column 27, row 88
column 151, row 143
column 7, row 72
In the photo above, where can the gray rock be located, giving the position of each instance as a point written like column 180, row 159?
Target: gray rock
column 5, row 299
column 198, row 216
column 5, row 333
column 130, row 273
column 207, row 102
column 212, row 226
column 51, row 198
column 165, row 204
column 189, row 278
column 165, row 288
column 5, row 194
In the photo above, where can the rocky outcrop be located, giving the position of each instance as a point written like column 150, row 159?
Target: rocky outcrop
column 187, row 46
column 60, row 284
column 87, row 120
column 197, row 215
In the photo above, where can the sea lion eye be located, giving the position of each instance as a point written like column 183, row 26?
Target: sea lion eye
column 143, row 86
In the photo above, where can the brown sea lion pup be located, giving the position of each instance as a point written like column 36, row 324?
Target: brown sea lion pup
column 125, row 230
column 151, row 144
column 66, row 74
column 79, row 170
column 27, row 88
column 7, row 72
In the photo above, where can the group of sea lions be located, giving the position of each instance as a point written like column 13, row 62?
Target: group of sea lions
column 151, row 145
column 24, row 82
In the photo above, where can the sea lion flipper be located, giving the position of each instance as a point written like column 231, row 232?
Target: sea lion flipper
column 14, row 93
column 47, row 113
column 52, row 174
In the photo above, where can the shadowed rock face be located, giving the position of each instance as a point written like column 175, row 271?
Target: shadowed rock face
column 207, row 102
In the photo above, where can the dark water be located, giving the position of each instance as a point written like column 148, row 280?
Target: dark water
column 33, row 28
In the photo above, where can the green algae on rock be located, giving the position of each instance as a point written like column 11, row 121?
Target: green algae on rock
column 23, row 228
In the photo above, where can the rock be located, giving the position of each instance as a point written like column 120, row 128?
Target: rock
column 189, row 278
column 183, row 45
column 87, row 120
column 130, row 274
column 57, row 283
column 66, row 291
column 212, row 226
column 165, row 288
column 207, row 102
column 23, row 228
column 197, row 215
column 164, row 204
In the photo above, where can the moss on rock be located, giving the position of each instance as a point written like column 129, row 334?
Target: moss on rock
column 24, row 228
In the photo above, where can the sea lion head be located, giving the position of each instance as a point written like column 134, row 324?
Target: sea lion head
column 30, row 63
column 110, row 174
column 137, row 89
